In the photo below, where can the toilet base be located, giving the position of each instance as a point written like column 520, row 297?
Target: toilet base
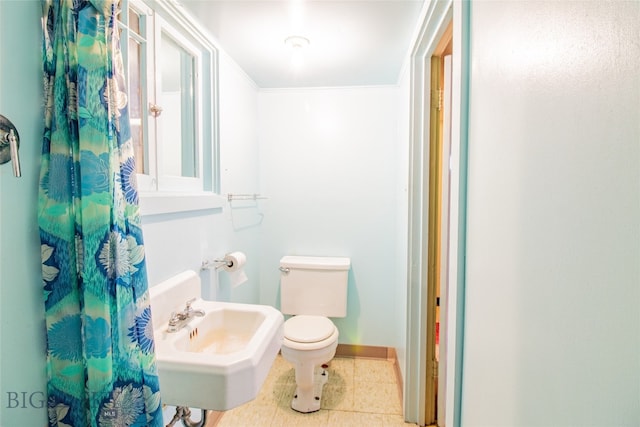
column 308, row 400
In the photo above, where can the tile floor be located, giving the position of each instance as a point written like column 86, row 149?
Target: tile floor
column 360, row 392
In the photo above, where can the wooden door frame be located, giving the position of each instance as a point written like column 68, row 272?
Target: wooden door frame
column 435, row 257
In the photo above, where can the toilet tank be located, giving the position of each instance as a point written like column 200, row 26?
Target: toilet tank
column 314, row 285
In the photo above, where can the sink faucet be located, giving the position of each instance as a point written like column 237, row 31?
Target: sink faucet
column 179, row 320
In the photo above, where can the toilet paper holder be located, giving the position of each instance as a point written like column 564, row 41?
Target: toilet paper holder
column 215, row 263
column 231, row 262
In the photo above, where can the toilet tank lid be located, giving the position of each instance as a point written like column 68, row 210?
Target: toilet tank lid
column 315, row 262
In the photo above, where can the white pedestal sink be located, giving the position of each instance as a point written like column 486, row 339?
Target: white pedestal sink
column 217, row 361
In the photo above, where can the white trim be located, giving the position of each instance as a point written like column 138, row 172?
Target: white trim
column 455, row 256
column 436, row 16
column 446, row 243
column 160, row 192
column 167, row 182
column 164, row 202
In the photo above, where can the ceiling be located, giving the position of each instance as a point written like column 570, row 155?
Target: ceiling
column 351, row 42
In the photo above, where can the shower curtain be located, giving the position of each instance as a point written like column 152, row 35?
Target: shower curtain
column 100, row 351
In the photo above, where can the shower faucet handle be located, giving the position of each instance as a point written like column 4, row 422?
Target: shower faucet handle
column 9, row 144
column 15, row 158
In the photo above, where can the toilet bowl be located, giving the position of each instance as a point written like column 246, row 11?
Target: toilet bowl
column 312, row 290
column 309, row 342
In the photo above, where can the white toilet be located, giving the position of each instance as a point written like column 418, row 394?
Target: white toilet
column 312, row 289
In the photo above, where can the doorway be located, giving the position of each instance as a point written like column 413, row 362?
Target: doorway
column 437, row 216
column 438, row 225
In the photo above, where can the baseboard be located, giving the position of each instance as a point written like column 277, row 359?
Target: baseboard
column 364, row 351
column 396, row 369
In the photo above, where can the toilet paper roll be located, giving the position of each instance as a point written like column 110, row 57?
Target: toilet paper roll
column 235, row 262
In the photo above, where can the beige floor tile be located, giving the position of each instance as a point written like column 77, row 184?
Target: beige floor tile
column 290, row 418
column 377, row 398
column 285, row 395
column 353, row 419
column 374, row 370
column 341, row 368
column 338, row 391
column 395, row 421
column 277, row 394
column 337, row 397
column 282, row 371
column 337, row 380
column 359, row 392
column 247, row 415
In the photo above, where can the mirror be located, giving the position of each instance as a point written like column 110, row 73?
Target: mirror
column 177, row 126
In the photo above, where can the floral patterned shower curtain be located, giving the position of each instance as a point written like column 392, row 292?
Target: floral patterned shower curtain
column 100, row 351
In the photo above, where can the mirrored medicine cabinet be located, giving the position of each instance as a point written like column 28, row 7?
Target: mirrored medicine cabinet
column 171, row 69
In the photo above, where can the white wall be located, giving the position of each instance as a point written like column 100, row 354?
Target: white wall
column 22, row 338
column 177, row 242
column 328, row 165
column 552, row 328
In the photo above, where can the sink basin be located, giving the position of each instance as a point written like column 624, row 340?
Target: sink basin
column 225, row 329
column 217, row 361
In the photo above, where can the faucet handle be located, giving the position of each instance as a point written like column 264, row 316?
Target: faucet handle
column 173, row 319
column 188, row 303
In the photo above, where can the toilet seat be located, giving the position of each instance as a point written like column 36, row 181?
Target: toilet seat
column 306, row 333
column 308, row 329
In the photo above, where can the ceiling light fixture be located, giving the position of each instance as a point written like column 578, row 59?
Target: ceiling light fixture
column 297, row 45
